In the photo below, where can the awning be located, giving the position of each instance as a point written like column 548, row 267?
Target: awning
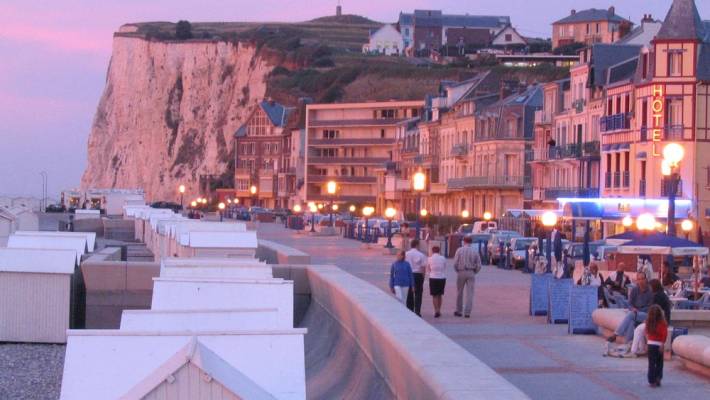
column 583, row 210
column 659, row 243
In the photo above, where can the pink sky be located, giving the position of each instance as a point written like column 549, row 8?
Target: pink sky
column 55, row 54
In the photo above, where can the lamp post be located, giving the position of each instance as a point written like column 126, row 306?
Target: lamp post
column 389, row 214
column 312, row 208
column 418, row 184
column 549, row 220
column 221, row 211
column 686, row 226
column 181, row 189
column 331, row 187
column 253, row 190
column 673, row 154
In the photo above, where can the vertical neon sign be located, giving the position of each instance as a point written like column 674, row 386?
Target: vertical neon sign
column 657, row 115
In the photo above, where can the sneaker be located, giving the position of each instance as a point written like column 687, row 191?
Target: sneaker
column 467, row 316
column 611, row 339
column 458, row 314
column 437, row 315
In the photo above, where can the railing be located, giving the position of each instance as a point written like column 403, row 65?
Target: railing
column 341, row 179
column 287, row 171
column 482, row 137
column 348, row 160
column 607, row 180
column 459, row 150
column 573, row 150
column 591, row 148
column 666, row 187
column 615, row 122
column 243, row 172
column 555, row 193
column 673, row 132
column 626, row 182
column 266, row 172
column 642, row 188
column 617, row 179
column 542, row 118
column 350, row 142
column 486, row 181
column 437, row 188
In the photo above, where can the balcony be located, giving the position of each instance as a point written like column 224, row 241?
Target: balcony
column 267, row 172
column 287, row 171
column 344, row 198
column 351, row 142
column 342, row 179
column 470, row 182
column 459, row 150
column 616, row 122
column 578, row 105
column 591, row 149
column 579, row 192
column 573, row 150
column 541, row 117
column 243, row 172
column 348, row 160
column 666, row 188
column 438, row 188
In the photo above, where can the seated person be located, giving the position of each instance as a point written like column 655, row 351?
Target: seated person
column 592, row 277
column 638, row 346
column 669, row 277
column 640, row 298
column 617, row 281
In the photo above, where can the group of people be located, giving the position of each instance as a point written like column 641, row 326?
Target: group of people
column 408, row 272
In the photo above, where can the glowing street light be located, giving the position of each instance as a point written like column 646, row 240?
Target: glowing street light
column 320, row 206
column 423, row 212
column 331, row 187
column 419, row 185
column 193, row 204
column 297, row 208
column 313, row 209
column 465, row 214
column 352, row 208
column 390, row 213
column 221, row 207
column 487, row 216
column 674, row 154
column 646, row 222
column 549, row 220
column 335, row 207
column 181, row 189
column 627, row 221
column 687, row 226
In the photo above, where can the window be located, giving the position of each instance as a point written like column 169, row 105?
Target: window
column 675, row 112
column 388, row 114
column 330, row 134
column 644, row 60
column 382, row 133
column 508, row 37
column 406, row 32
column 675, row 64
column 627, row 103
column 644, row 113
column 588, row 31
column 597, row 27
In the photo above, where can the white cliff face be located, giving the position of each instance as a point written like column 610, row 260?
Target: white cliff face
column 169, row 112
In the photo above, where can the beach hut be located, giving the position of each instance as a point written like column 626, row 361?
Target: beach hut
column 77, row 244
column 41, row 295
column 89, row 236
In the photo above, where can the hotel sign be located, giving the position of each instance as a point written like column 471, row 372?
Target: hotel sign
column 657, row 106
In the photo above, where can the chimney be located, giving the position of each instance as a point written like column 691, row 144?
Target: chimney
column 612, row 11
column 573, row 12
column 338, row 10
column 647, row 18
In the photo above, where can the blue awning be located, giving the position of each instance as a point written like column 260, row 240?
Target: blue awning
column 624, row 146
column 583, row 210
column 606, row 147
column 641, row 155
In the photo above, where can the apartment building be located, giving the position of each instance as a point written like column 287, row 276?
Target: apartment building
column 263, row 157
column 352, row 144
column 589, row 27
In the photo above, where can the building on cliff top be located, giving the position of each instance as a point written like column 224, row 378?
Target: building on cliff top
column 589, row 27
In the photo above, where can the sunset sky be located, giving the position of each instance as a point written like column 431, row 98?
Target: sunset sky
column 54, row 56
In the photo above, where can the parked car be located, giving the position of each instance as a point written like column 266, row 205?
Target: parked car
column 55, row 208
column 477, row 227
column 167, row 205
column 242, row 214
column 281, row 212
column 576, row 250
column 496, row 238
column 258, row 210
column 520, row 246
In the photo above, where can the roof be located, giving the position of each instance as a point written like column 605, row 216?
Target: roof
column 277, row 113
column 406, row 19
column 40, row 261
column 591, row 15
column 203, row 320
column 607, row 55
column 476, row 21
column 90, row 236
column 622, row 71
column 704, row 62
column 642, row 34
column 682, row 22
column 214, row 240
column 427, row 18
column 77, row 244
column 507, row 29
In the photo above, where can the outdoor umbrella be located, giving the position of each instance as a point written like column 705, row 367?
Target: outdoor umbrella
column 660, row 243
column 618, row 240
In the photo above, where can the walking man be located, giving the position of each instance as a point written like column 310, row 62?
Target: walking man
column 417, row 260
column 467, row 264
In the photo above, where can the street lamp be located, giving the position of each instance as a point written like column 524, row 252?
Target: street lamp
column 297, row 208
column 313, row 209
column 389, row 214
column 331, row 187
column 627, row 222
column 423, row 212
column 221, row 211
column 352, row 209
column 181, row 189
column 253, row 190
column 646, row 222
column 335, row 207
column 673, row 154
column 549, row 220
column 320, row 206
column 418, row 184
column 465, row 214
column 686, row 226
column 367, row 213
column 193, row 204
column 487, row 216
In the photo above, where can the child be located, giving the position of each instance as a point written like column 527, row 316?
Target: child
column 656, row 333
column 401, row 278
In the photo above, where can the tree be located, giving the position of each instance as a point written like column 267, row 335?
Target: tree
column 183, row 30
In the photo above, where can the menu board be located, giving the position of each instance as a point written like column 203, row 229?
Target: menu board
column 559, row 293
column 539, row 287
column 583, row 302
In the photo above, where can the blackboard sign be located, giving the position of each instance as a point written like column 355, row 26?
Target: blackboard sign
column 559, row 301
column 582, row 303
column 538, row 293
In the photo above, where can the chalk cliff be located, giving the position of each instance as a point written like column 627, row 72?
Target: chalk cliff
column 168, row 112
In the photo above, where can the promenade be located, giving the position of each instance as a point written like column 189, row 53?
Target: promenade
column 541, row 359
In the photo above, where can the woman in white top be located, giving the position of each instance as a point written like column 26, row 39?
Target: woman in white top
column 436, row 269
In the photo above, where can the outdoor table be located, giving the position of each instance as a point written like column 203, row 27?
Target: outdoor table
column 677, row 299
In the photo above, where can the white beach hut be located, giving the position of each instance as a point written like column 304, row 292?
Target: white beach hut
column 78, row 244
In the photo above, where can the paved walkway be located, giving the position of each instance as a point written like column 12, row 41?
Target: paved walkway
column 541, row 359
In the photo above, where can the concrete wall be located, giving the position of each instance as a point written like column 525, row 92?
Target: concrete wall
column 416, row 360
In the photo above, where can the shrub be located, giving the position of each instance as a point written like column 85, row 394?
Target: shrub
column 323, row 62
column 183, row 30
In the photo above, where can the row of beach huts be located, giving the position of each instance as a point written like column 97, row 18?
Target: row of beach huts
column 220, row 326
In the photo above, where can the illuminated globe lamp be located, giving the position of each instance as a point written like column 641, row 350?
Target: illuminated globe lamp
column 419, row 185
column 320, row 206
column 193, row 204
column 423, row 212
column 335, row 207
column 221, row 207
column 687, row 226
column 297, row 209
column 627, row 222
column 646, row 222
column 352, row 208
column 487, row 216
column 181, row 189
column 390, row 213
column 549, row 220
column 465, row 214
